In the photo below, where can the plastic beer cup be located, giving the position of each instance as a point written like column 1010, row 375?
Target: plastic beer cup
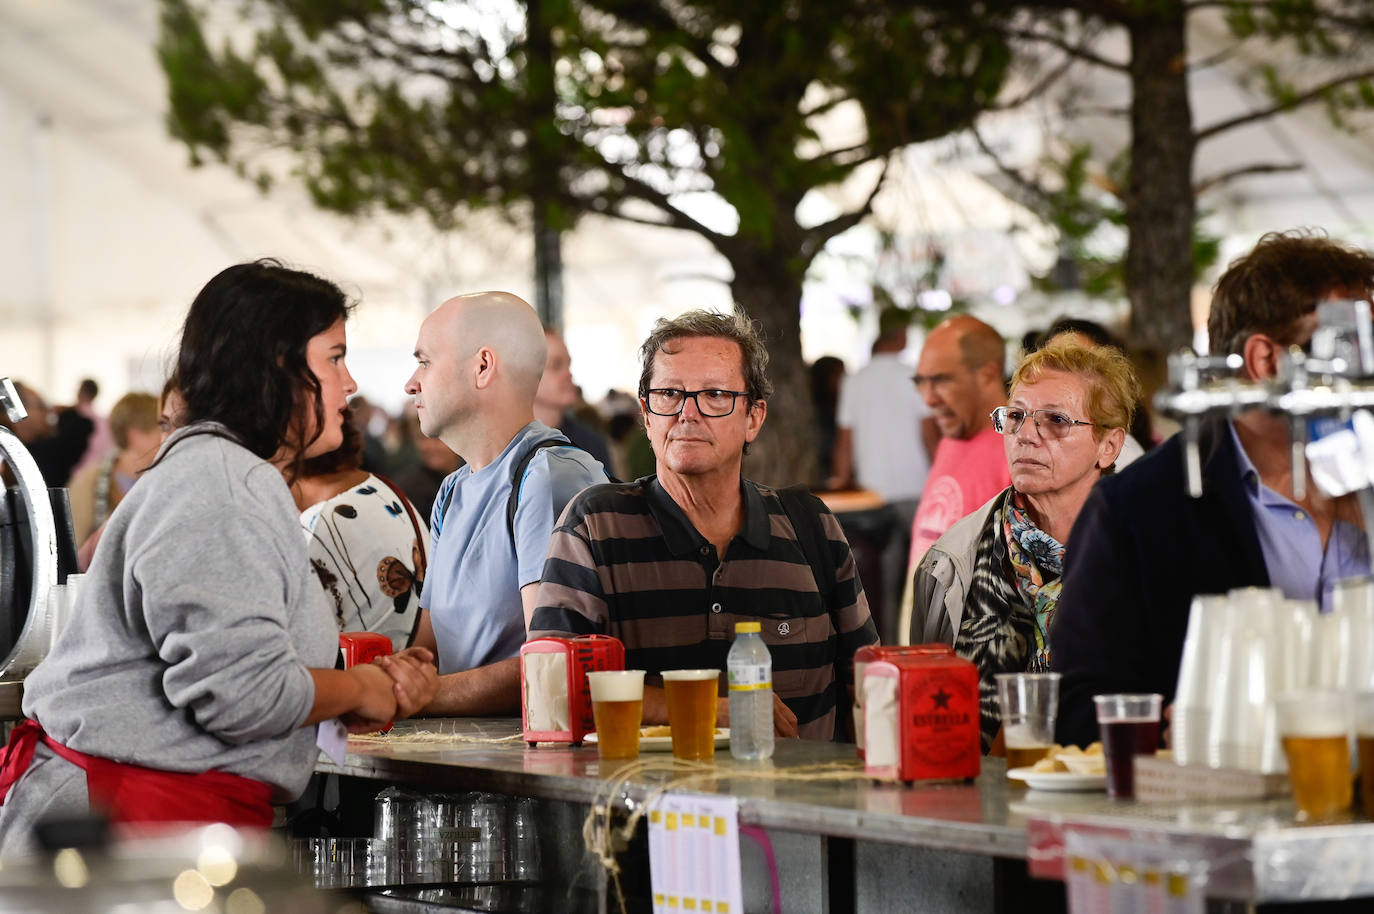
column 1029, row 703
column 618, row 706
column 1129, row 726
column 691, row 698
column 1364, row 745
column 1315, row 727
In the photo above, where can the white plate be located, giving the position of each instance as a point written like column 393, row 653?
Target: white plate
column 1058, row 780
column 665, row 743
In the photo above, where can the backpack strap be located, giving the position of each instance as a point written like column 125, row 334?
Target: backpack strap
column 517, row 477
column 517, row 480
column 442, row 501
column 799, row 504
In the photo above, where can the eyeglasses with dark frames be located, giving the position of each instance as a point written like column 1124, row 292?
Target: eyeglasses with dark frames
column 711, row 402
column 1007, row 420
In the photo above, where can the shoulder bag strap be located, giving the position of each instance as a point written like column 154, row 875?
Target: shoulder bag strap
column 797, row 501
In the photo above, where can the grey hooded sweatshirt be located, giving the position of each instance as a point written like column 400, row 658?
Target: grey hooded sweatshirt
column 190, row 645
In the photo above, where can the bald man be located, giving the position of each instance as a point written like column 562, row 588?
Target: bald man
column 479, row 360
column 960, row 376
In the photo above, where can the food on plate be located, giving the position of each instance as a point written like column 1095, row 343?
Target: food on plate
column 1074, row 759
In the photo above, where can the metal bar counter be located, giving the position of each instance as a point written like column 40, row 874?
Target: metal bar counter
column 1257, row 852
column 971, row 818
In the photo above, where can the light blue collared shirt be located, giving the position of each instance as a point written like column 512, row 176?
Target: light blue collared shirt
column 1292, row 545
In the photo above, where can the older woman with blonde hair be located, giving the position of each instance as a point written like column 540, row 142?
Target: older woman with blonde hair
column 990, row 585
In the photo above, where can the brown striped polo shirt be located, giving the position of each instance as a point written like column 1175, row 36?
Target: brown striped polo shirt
column 625, row 561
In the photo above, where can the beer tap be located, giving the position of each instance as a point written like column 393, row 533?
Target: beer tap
column 1335, row 381
column 1202, row 386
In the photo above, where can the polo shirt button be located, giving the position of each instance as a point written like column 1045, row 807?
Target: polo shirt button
column 705, row 550
column 1298, row 515
column 715, row 607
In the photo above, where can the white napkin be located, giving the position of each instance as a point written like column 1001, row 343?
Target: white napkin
column 544, row 678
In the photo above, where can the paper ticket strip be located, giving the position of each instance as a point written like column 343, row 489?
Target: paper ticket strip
column 1108, row 875
column 694, row 855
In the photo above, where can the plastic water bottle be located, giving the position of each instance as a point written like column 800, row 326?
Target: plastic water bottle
column 750, row 668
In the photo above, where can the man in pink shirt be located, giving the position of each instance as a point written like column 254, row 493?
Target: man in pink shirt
column 960, row 376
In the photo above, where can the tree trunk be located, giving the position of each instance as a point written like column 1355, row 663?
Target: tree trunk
column 1160, row 208
column 785, row 451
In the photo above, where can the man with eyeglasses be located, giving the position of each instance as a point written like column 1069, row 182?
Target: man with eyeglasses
column 668, row 564
column 1143, row 548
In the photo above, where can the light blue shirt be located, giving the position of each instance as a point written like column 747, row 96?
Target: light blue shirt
column 1292, row 545
column 472, row 590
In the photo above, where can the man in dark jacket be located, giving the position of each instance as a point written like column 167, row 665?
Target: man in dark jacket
column 1142, row 548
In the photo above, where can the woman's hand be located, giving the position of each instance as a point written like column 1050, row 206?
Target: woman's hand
column 375, row 702
column 415, row 680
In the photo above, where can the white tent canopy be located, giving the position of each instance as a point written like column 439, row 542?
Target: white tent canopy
column 106, row 233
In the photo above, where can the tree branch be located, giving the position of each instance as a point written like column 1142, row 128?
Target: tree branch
column 1095, row 111
column 827, row 105
column 1036, row 90
column 834, row 154
column 1027, row 186
column 1077, row 51
column 814, row 238
column 1211, row 61
column 1215, row 181
column 641, row 190
column 1297, row 101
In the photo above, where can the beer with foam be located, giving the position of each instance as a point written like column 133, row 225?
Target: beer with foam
column 1315, row 727
column 618, row 708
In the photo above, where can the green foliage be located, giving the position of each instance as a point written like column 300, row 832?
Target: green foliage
column 1079, row 208
column 586, row 105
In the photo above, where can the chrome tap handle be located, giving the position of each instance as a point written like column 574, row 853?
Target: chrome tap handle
column 9, row 398
column 1298, row 452
column 1192, row 458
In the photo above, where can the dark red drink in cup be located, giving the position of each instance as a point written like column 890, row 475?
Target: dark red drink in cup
column 1122, row 741
column 1129, row 726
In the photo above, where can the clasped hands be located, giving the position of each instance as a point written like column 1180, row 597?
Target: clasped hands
column 393, row 687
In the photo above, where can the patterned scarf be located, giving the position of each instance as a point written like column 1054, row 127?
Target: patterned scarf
column 997, row 629
column 1038, row 561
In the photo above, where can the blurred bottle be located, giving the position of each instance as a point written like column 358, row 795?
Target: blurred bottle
column 750, row 668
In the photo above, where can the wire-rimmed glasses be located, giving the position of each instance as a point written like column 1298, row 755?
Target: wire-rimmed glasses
column 1007, row 420
column 712, row 402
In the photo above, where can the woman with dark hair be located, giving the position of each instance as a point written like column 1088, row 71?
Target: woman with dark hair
column 368, row 546
column 204, row 655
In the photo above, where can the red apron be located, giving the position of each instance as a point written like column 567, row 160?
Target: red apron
column 132, row 793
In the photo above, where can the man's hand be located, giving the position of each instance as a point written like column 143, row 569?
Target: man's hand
column 784, row 721
column 415, row 677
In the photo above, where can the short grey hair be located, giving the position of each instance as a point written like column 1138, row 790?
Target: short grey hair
column 735, row 326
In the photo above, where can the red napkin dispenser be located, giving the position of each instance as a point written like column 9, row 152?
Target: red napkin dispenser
column 555, row 703
column 921, row 718
column 873, row 652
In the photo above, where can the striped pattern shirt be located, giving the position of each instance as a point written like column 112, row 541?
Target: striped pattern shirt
column 625, row 561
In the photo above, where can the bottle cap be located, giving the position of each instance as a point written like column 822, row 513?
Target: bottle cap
column 744, row 628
